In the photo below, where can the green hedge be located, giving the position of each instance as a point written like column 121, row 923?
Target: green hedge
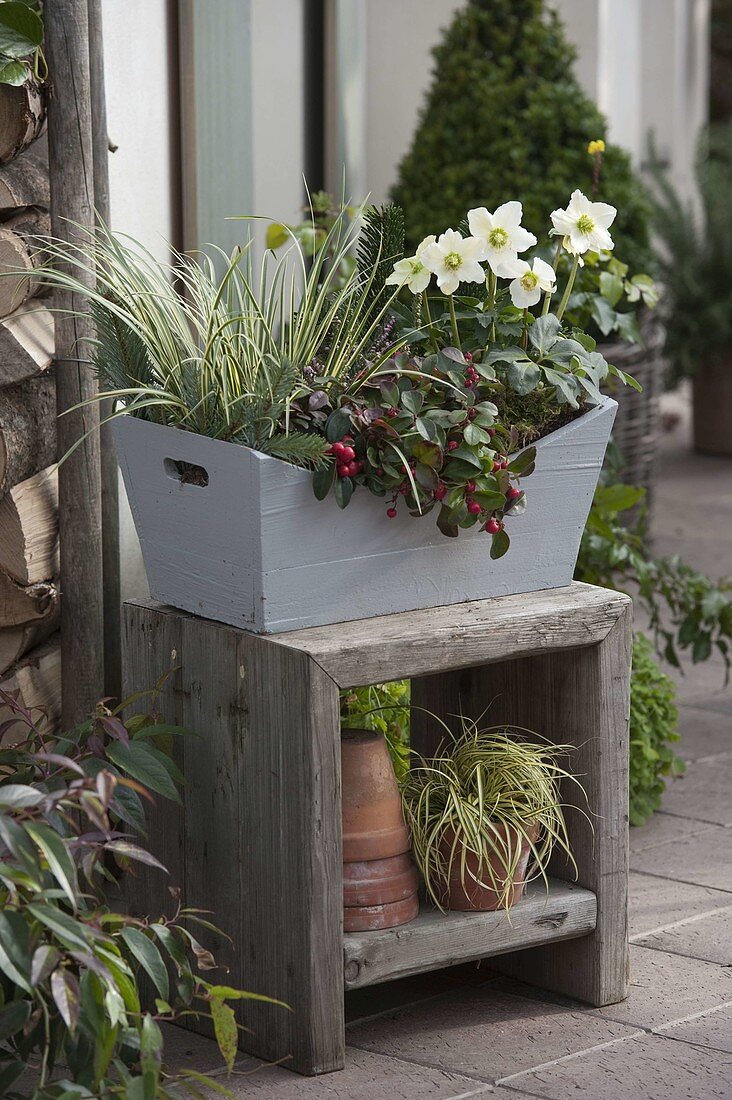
column 506, row 118
column 653, row 721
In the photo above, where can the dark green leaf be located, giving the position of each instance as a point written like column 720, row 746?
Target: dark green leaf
column 14, row 955
column 604, row 315
column 9, row 1074
column 71, row 932
column 522, row 461
column 149, row 958
column 343, row 491
column 65, row 990
column 412, row 400
column 59, row 861
column 500, row 543
column 45, row 959
column 323, row 480
column 523, row 377
column 12, row 1018
column 19, row 796
column 132, row 851
column 337, row 425
column 14, row 73
column 21, row 30
column 137, row 760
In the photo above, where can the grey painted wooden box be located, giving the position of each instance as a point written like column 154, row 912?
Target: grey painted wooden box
column 255, row 549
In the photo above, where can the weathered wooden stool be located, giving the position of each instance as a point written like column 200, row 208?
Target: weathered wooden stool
column 259, row 838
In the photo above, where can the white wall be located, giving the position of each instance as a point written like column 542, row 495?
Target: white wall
column 143, row 180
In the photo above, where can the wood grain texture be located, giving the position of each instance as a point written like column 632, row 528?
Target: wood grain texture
column 20, row 252
column 16, row 641
column 24, row 182
column 255, row 548
column 417, row 643
column 27, row 429
column 70, row 164
column 29, row 529
column 37, row 679
column 26, row 343
column 578, row 697
column 25, row 603
column 22, row 118
column 438, row 939
column 259, row 841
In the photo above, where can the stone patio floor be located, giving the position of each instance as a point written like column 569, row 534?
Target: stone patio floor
column 464, row 1032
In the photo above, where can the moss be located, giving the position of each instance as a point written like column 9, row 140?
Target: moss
column 533, row 415
column 505, row 118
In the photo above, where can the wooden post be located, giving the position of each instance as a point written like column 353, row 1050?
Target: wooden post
column 110, row 474
column 72, row 198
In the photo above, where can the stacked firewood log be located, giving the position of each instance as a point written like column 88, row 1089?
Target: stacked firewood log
column 29, row 598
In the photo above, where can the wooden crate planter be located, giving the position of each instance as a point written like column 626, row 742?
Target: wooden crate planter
column 254, row 548
column 259, row 838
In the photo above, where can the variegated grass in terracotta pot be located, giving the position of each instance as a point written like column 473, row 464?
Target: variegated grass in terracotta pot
column 485, row 815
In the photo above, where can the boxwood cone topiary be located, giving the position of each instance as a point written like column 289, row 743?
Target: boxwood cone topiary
column 505, row 117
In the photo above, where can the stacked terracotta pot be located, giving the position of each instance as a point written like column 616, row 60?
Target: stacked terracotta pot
column 379, row 879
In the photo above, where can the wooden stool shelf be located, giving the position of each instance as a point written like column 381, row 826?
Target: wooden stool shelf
column 438, row 939
column 258, row 840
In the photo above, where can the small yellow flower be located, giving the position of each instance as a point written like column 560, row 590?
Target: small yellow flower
column 596, row 147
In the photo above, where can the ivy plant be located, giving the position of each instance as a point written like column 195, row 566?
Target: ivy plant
column 21, row 42
column 653, row 721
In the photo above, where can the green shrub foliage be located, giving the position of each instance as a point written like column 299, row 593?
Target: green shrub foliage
column 653, row 720
column 505, row 118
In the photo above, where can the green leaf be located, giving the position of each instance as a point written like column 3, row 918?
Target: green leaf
column 65, row 991
column 132, row 851
column 277, row 235
column 474, row 435
column 627, row 326
column 45, row 959
column 136, row 760
column 323, row 480
column 172, row 945
column 500, row 543
column 71, row 932
column 412, row 400
column 702, row 648
column 14, row 957
column 12, row 1018
column 604, row 315
column 149, row 958
column 19, row 796
column 225, row 1029
column 21, row 30
column 14, row 73
column 59, row 861
column 543, row 335
column 429, row 454
column 522, row 461
column 611, row 287
column 337, row 425
column 343, row 491
column 523, row 377
column 466, row 455
column 9, row 1074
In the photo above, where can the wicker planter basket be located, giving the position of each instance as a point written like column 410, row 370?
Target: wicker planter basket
column 638, row 420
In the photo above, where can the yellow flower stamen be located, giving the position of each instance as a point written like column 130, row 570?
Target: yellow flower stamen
column 596, row 147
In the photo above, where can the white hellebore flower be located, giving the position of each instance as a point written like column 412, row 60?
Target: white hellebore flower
column 531, row 282
column 584, row 225
column 411, row 271
column 502, row 234
column 454, row 260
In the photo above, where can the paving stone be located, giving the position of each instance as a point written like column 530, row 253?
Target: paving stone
column 367, row 1076
column 651, row 1068
column 662, row 828
column 702, row 937
column 704, row 733
column 665, row 987
column 656, row 902
column 485, row 1032
column 704, row 792
column 702, row 685
column 714, row 1030
column 704, row 859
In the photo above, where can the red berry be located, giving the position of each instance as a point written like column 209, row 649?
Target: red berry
column 474, row 507
column 379, row 471
column 404, row 489
column 359, row 467
column 347, row 439
column 491, row 432
column 472, row 414
column 470, row 487
column 352, row 469
column 493, row 527
column 342, row 469
column 391, row 512
column 392, row 411
column 337, row 449
column 348, row 454
column 453, row 445
column 496, row 466
column 440, row 491
column 468, row 356
column 504, row 464
column 513, row 493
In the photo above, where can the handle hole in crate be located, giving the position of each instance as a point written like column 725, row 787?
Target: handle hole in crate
column 187, row 473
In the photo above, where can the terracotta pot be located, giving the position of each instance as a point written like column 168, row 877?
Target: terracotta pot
column 370, row 918
column 373, row 824
column 472, row 895
column 713, row 408
column 379, row 881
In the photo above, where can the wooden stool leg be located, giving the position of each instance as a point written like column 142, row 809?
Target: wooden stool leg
column 578, row 697
column 258, row 841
